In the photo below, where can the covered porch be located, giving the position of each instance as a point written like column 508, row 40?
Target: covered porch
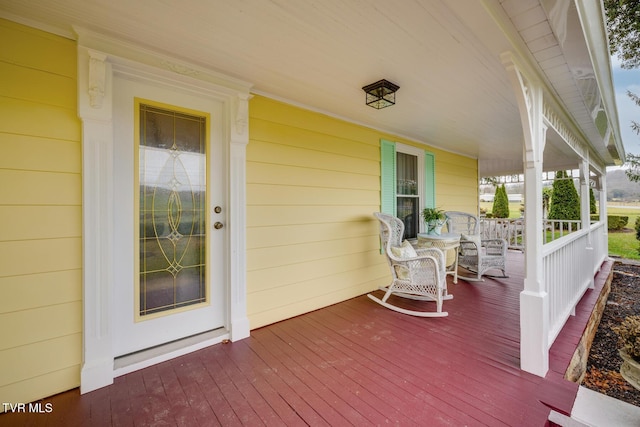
column 352, row 363
column 487, row 88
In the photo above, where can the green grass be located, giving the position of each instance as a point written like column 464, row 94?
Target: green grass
column 624, row 243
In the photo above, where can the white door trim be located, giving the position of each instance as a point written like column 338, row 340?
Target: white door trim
column 99, row 58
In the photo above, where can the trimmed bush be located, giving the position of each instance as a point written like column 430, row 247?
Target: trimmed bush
column 501, row 203
column 617, row 222
column 565, row 202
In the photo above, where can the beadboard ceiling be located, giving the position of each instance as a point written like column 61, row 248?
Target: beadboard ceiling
column 445, row 56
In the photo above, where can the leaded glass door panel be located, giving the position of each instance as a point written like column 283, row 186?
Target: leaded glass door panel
column 172, row 209
column 169, row 188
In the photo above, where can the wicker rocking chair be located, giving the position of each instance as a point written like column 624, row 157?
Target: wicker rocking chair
column 475, row 254
column 417, row 274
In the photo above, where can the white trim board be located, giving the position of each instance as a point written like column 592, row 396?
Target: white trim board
column 99, row 57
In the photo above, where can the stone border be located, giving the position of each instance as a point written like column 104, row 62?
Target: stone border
column 578, row 365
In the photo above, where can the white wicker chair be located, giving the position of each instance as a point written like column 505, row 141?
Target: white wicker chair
column 475, row 254
column 420, row 278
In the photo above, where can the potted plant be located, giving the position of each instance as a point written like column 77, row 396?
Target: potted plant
column 629, row 340
column 435, row 219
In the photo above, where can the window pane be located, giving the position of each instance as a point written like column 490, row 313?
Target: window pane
column 407, row 174
column 408, row 213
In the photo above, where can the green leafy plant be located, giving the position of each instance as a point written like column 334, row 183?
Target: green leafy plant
column 435, row 219
column 629, row 336
column 433, row 214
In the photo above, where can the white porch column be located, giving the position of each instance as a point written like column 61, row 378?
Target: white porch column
column 239, row 322
column 585, row 213
column 602, row 205
column 534, row 300
column 94, row 109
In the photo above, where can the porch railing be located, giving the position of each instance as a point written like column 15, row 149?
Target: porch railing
column 600, row 244
column 512, row 230
column 557, row 228
column 569, row 264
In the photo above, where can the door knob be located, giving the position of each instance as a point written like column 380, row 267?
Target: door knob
column 218, row 225
column 217, row 209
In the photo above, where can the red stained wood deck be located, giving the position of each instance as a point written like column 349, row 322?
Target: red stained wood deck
column 353, row 363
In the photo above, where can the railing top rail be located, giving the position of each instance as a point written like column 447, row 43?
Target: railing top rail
column 559, row 243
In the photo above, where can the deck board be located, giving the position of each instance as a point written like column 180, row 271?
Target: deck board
column 353, row 363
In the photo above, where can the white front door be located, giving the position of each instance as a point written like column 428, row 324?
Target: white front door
column 169, row 213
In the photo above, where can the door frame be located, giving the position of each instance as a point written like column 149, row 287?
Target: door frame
column 99, row 58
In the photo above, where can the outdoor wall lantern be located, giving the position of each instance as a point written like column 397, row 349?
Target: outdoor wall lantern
column 381, row 94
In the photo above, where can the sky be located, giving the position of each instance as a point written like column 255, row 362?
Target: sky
column 623, row 81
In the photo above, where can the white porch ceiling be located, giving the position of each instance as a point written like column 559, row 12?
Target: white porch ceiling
column 445, row 56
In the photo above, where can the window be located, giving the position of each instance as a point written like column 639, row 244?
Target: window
column 407, row 185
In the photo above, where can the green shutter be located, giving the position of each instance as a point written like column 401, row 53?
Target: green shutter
column 429, row 180
column 387, row 177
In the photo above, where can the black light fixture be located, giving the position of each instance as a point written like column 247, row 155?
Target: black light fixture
column 381, row 94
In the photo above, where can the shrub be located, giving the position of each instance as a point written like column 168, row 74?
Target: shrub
column 637, row 227
column 546, row 199
column 592, row 202
column 565, row 202
column 629, row 336
column 501, row 203
column 617, row 222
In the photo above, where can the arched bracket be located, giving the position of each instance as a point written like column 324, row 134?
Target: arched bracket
column 529, row 97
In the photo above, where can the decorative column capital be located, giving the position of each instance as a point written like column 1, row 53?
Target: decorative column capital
column 241, row 119
column 97, row 78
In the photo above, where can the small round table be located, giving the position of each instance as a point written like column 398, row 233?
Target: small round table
column 448, row 243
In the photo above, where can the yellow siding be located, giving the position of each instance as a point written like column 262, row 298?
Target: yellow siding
column 312, row 184
column 40, row 215
column 456, row 182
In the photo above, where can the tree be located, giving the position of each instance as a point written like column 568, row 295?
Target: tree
column 592, row 202
column 623, row 26
column 501, row 203
column 633, row 161
column 565, row 202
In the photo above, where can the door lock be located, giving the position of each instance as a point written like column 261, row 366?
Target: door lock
column 217, row 209
column 218, row 225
